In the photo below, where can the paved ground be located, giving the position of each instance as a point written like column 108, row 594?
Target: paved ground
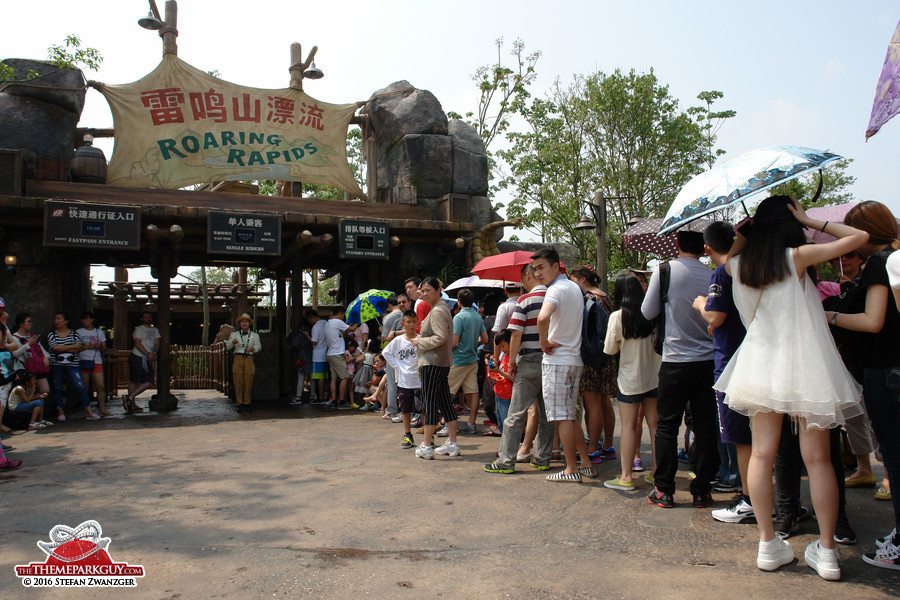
column 299, row 502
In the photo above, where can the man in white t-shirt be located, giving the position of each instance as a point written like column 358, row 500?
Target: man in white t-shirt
column 336, row 346
column 140, row 361
column 559, row 328
column 319, row 355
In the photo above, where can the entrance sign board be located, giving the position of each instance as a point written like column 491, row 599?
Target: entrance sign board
column 252, row 234
column 180, row 126
column 364, row 239
column 83, row 225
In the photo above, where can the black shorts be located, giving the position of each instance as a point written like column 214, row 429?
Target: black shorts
column 409, row 400
column 136, row 372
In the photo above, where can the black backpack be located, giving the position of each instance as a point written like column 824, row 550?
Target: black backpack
column 659, row 335
column 593, row 331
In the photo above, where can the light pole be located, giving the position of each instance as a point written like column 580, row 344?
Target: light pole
column 598, row 211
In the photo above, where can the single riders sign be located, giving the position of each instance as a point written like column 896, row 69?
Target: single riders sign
column 180, row 126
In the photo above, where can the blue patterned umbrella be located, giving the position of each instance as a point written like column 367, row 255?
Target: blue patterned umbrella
column 736, row 180
column 367, row 306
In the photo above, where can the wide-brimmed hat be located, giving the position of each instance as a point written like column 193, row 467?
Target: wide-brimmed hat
column 242, row 317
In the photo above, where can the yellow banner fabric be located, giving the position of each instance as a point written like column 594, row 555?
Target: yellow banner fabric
column 179, row 126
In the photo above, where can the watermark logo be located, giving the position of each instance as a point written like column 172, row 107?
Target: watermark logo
column 78, row 557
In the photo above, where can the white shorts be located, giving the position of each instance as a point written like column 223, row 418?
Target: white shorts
column 560, row 386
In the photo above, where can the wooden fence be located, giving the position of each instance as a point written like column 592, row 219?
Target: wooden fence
column 201, row 367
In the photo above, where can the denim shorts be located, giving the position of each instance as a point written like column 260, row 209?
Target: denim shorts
column 637, row 398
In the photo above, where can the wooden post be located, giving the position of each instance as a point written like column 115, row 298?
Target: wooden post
column 600, row 203
column 169, row 31
column 296, row 293
column 315, row 289
column 161, row 401
column 280, row 332
column 122, row 337
column 371, row 170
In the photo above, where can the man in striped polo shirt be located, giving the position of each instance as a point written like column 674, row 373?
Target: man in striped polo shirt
column 525, row 367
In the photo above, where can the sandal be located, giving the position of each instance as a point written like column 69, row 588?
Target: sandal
column 47, row 423
column 492, row 434
column 36, row 426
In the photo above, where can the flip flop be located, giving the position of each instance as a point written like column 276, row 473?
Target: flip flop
column 492, row 434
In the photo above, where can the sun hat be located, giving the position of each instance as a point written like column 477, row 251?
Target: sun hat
column 242, row 317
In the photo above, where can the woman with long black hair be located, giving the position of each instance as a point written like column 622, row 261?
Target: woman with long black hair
column 804, row 377
column 629, row 334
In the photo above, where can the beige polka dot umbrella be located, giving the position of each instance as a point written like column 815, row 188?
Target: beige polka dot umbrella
column 642, row 237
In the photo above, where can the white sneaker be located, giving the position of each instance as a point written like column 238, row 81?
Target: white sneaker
column 823, row 561
column 773, row 554
column 442, row 432
column 398, row 418
column 739, row 512
column 426, row 452
column 448, row 449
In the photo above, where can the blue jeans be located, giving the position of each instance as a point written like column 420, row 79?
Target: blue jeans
column 502, row 406
column 70, row 372
column 28, row 406
column 881, row 392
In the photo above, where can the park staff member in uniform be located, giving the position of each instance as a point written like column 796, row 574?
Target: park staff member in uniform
column 244, row 343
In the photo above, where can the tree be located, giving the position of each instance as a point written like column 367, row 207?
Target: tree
column 710, row 122
column 620, row 133
column 504, row 92
column 68, row 56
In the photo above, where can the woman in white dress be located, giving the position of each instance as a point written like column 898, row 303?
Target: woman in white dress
column 788, row 365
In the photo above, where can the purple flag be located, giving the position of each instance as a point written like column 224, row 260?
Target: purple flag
column 887, row 92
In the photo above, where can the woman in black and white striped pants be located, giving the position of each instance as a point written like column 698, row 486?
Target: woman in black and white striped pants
column 434, row 357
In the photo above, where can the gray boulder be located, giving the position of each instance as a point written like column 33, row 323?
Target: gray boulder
column 61, row 87
column 470, row 173
column 423, row 161
column 41, row 129
column 465, row 137
column 400, row 109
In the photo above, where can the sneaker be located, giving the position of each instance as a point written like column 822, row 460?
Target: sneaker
column 523, row 458
column 448, row 448
column 563, row 476
column 442, row 432
column 395, row 418
column 724, row 487
column 596, row 457
column 701, row 500
column 416, row 424
column 426, row 452
column 660, row 499
column 886, row 557
column 61, row 418
column 823, row 561
column 297, row 400
column 843, row 533
column 538, row 466
column 618, row 484
column 346, row 406
column 496, row 468
column 93, row 417
column 739, row 512
column 9, row 463
column 637, row 466
column 607, row 453
column 317, row 401
column 465, row 427
column 330, row 404
column 125, row 402
column 785, row 525
column 650, row 479
column 773, row 554
column 803, row 515
column 683, row 456
column 407, row 441
column 878, row 542
column 462, row 410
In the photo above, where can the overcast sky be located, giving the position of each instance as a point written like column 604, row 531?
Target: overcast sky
column 800, row 73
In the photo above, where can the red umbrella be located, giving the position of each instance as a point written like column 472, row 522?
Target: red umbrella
column 506, row 266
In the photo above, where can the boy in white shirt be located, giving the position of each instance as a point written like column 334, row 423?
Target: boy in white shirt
column 400, row 355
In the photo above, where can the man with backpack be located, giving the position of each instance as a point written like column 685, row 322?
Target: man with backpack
column 686, row 374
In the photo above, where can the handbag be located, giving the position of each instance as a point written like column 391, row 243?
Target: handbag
column 659, row 333
column 86, row 365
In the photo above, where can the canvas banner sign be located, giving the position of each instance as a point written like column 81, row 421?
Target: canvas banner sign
column 179, row 126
